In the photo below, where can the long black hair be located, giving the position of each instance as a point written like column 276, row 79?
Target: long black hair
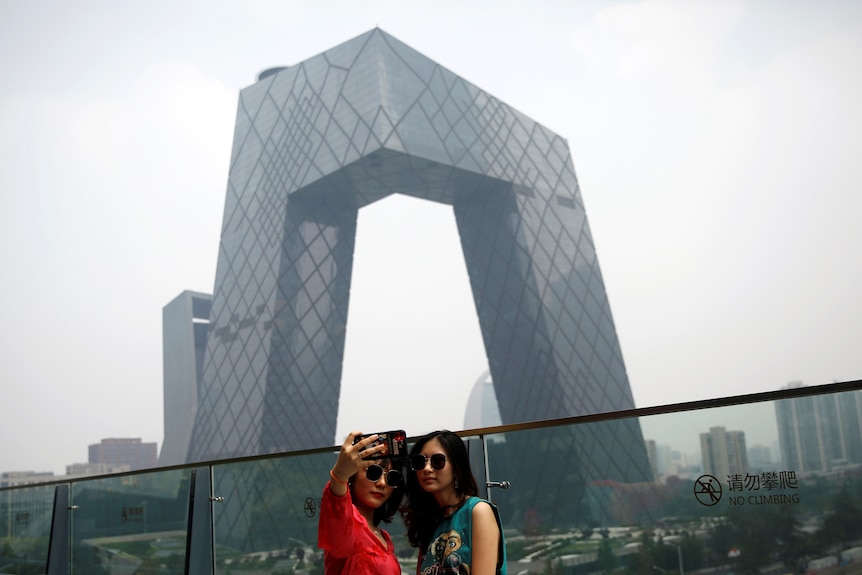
column 421, row 512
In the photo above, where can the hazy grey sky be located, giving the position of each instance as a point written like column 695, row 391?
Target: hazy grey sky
column 716, row 144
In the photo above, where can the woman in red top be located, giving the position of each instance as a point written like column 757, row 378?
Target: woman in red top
column 359, row 495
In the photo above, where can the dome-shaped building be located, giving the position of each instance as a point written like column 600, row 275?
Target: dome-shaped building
column 482, row 409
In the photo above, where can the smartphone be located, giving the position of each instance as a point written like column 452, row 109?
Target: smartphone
column 395, row 442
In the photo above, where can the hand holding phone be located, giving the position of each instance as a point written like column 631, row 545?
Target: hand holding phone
column 394, row 444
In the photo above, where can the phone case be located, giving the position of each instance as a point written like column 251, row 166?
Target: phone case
column 395, row 441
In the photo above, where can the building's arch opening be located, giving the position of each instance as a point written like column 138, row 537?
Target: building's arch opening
column 413, row 347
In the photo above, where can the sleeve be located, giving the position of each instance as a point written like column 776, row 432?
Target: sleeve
column 335, row 527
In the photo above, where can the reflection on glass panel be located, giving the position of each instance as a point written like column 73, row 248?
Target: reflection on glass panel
column 770, row 486
column 267, row 522
column 26, row 527
column 130, row 523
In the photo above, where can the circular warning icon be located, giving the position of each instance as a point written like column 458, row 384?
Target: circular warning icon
column 707, row 490
column 310, row 507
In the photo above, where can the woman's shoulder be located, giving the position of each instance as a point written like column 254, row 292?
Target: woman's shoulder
column 474, row 500
column 479, row 505
column 483, row 511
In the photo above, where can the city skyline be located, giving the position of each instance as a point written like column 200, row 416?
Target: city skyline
column 714, row 146
column 681, row 431
column 678, row 431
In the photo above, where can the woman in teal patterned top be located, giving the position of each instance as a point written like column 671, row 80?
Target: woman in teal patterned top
column 457, row 532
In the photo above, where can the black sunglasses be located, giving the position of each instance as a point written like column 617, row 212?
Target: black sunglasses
column 393, row 476
column 418, row 462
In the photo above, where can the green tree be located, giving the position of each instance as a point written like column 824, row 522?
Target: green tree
column 842, row 524
column 87, row 559
column 642, row 563
column 693, row 552
column 607, row 562
column 665, row 557
column 759, row 536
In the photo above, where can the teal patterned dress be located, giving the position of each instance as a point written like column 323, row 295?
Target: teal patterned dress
column 450, row 551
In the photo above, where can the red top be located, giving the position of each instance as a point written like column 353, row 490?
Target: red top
column 350, row 548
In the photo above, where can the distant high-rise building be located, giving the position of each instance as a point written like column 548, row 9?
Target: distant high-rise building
column 664, row 461
column 682, row 465
column 723, row 453
column 760, row 458
column 128, row 450
column 817, row 433
column 13, row 478
column 652, row 454
column 185, row 321
column 664, row 457
column 317, row 141
column 482, row 409
column 83, row 469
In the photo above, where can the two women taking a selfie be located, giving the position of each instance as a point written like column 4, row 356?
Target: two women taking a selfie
column 456, row 531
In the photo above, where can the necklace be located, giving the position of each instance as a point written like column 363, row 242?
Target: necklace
column 449, row 510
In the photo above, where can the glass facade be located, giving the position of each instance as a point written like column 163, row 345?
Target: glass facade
column 259, row 514
column 316, row 142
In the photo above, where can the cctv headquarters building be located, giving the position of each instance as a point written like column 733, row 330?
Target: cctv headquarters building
column 316, row 142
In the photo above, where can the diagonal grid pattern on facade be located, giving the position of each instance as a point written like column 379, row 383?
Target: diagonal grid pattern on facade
column 316, row 142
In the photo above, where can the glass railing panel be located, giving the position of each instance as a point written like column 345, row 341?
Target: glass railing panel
column 771, row 486
column 25, row 514
column 130, row 523
column 265, row 517
column 737, row 486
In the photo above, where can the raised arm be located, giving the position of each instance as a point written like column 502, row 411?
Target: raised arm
column 349, row 461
